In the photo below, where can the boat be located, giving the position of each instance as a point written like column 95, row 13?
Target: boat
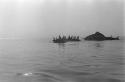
column 65, row 39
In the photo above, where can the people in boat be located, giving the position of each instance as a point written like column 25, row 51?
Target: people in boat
column 64, row 39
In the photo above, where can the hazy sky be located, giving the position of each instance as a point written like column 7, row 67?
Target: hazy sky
column 46, row 18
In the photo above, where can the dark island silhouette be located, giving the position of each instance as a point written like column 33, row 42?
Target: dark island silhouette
column 93, row 37
column 99, row 37
column 65, row 39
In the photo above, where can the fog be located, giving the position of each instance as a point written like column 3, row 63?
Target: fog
column 48, row 18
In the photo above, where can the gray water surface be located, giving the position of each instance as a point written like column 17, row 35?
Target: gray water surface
column 38, row 61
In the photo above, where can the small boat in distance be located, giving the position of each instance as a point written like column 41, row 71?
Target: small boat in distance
column 59, row 40
column 65, row 39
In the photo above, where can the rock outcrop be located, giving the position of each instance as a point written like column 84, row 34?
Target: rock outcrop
column 99, row 37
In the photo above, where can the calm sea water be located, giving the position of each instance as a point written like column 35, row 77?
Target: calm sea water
column 38, row 61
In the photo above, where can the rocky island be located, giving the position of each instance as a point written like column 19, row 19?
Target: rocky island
column 99, row 37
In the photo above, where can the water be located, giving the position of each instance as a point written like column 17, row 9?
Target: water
column 38, row 61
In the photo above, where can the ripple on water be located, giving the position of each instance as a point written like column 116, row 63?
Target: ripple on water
column 48, row 77
column 41, row 77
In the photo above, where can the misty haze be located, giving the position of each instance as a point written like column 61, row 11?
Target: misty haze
column 35, row 18
column 62, row 41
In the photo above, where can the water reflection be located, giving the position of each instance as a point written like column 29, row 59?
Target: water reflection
column 61, row 45
column 99, row 45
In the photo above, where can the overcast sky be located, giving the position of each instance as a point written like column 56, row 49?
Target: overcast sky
column 47, row 18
